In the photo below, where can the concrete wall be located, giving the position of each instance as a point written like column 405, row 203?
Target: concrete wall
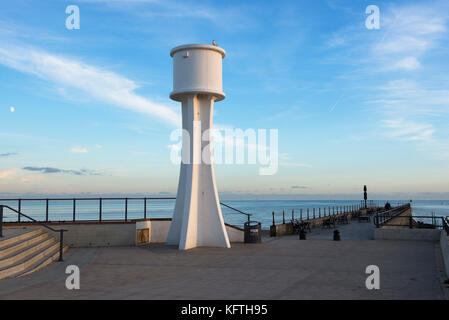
column 108, row 234
column 444, row 244
column 159, row 230
column 407, row 234
column 90, row 234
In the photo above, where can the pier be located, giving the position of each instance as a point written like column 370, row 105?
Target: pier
column 278, row 268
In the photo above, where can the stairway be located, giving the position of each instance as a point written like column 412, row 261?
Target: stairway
column 25, row 251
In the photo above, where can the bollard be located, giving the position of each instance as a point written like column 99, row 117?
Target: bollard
column 302, row 234
column 336, row 235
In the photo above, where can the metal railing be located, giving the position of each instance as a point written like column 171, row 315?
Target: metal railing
column 60, row 231
column 418, row 222
column 385, row 216
column 316, row 213
column 100, row 213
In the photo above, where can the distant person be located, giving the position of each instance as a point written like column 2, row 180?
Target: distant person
column 387, row 206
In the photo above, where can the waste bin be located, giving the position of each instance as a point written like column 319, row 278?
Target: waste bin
column 252, row 232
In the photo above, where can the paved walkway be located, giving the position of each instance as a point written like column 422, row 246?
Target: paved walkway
column 279, row 268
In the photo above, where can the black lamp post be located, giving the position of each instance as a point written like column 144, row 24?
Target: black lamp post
column 365, row 195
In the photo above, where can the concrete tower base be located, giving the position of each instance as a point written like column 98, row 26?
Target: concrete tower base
column 197, row 219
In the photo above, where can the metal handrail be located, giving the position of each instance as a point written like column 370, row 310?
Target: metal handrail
column 315, row 213
column 248, row 215
column 386, row 216
column 100, row 200
column 61, row 231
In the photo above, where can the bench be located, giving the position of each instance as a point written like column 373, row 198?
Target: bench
column 328, row 223
column 364, row 218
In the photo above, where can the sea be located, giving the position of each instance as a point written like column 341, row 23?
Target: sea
column 260, row 210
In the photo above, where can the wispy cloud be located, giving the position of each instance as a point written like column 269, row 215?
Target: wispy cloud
column 8, row 154
column 103, row 85
column 409, row 130
column 79, row 150
column 81, row 172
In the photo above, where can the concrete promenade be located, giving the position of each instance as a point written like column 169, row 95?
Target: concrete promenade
column 279, row 268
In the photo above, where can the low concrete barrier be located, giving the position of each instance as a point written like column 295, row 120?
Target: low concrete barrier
column 116, row 233
column 444, row 244
column 407, row 234
column 159, row 230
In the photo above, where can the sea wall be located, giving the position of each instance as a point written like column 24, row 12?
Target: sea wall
column 444, row 245
column 116, row 233
column 400, row 233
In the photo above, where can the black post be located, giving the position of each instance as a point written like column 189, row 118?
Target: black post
column 19, row 208
column 283, row 217
column 101, row 209
column 307, row 213
column 273, row 218
column 365, row 195
column 300, row 214
column 61, row 244
column 293, row 214
column 1, row 221
column 410, row 222
column 74, row 210
column 126, row 209
column 144, row 208
column 46, row 210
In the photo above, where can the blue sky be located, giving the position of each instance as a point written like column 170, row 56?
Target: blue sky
column 353, row 106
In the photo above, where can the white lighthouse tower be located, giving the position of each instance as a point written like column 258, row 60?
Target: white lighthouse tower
column 197, row 84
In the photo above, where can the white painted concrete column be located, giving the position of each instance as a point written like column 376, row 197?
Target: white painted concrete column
column 197, row 219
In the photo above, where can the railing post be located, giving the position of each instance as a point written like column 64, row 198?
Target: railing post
column 126, row 209
column 333, row 211
column 410, row 222
column 144, row 208
column 61, row 244
column 19, row 208
column 313, row 213
column 300, row 214
column 273, row 219
column 1, row 221
column 46, row 210
column 74, row 209
column 101, row 210
column 319, row 212
column 307, row 213
column 293, row 214
column 283, row 217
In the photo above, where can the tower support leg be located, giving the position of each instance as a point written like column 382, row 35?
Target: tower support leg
column 197, row 219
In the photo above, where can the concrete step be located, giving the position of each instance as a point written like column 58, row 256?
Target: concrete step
column 23, row 252
column 29, row 262
column 16, row 247
column 43, row 262
column 17, row 236
column 31, row 250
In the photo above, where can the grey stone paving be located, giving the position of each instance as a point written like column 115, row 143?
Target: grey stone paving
column 279, row 268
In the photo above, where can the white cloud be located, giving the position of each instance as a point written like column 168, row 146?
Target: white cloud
column 101, row 84
column 79, row 150
column 409, row 63
column 409, row 130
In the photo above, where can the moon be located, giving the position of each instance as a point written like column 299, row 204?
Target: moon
column 12, row 109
